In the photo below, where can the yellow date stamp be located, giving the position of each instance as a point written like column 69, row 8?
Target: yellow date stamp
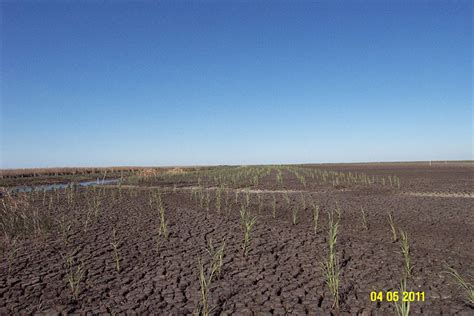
column 395, row 296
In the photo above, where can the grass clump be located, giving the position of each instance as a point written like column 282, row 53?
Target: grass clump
column 206, row 276
column 274, row 204
column 331, row 265
column 218, row 199
column 315, row 218
column 392, row 227
column 402, row 307
column 163, row 228
column 405, row 246
column 247, row 222
column 287, row 197
column 19, row 217
column 12, row 248
column 365, row 224
column 294, row 215
column 64, row 229
column 217, row 256
column 95, row 205
column 115, row 246
column 75, row 274
column 467, row 287
column 163, row 223
column 208, row 201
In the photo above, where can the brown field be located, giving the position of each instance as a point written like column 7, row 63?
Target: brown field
column 172, row 243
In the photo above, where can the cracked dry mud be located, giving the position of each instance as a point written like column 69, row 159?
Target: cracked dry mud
column 281, row 274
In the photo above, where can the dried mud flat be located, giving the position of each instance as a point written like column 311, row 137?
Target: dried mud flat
column 282, row 272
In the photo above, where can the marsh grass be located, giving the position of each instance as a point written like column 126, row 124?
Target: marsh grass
column 163, row 227
column 217, row 258
column 201, row 197
column 294, row 215
column 315, row 212
column 402, row 307
column 204, row 285
column 464, row 285
column 260, row 204
column 303, row 201
column 50, row 203
column 393, row 228
column 405, row 248
column 12, row 248
column 87, row 219
column 331, row 265
column 219, row 199
column 365, row 224
column 64, row 229
column 207, row 276
column 227, row 201
column 95, row 205
column 70, row 194
column 279, row 177
column 287, row 197
column 75, row 273
column 115, row 247
column 19, row 217
column 208, row 201
column 338, row 210
column 44, row 198
column 247, row 221
column 247, row 197
column 274, row 206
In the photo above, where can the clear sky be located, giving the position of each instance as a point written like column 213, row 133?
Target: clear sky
column 137, row 83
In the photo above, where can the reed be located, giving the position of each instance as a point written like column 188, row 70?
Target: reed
column 393, row 228
column 115, row 246
column 402, row 306
column 365, row 224
column 464, row 285
column 331, row 265
column 247, row 222
column 274, row 206
column 75, row 274
column 405, row 247
column 315, row 218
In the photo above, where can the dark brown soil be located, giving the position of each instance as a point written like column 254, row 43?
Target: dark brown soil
column 282, row 273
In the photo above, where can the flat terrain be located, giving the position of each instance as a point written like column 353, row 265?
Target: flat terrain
column 108, row 242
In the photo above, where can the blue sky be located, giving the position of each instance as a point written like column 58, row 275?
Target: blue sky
column 186, row 83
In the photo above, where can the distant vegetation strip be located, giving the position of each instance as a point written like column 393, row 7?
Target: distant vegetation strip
column 54, row 172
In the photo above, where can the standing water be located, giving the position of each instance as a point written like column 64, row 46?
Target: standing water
column 56, row 186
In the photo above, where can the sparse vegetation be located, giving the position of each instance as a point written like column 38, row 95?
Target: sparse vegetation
column 19, row 217
column 274, row 202
column 75, row 273
column 11, row 250
column 115, row 246
column 464, row 285
column 365, row 224
column 247, row 221
column 163, row 227
column 392, row 227
column 294, row 215
column 402, row 306
column 206, row 276
column 331, row 265
column 122, row 233
column 315, row 218
column 406, row 253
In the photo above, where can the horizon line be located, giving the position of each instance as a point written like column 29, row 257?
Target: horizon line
column 243, row 165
